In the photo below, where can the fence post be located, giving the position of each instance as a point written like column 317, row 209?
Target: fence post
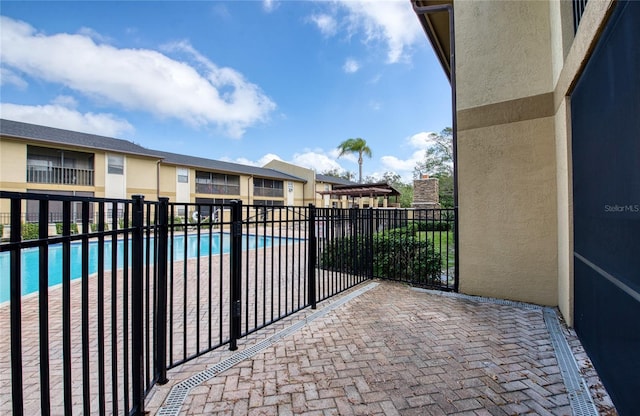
column 311, row 255
column 161, row 303
column 456, row 246
column 43, row 305
column 137, row 306
column 353, row 228
column 16, row 302
column 235, row 292
column 371, row 256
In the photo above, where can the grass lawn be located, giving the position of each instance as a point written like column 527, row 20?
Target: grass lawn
column 443, row 242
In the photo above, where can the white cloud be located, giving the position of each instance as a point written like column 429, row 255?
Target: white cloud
column 64, row 117
column 375, row 79
column 375, row 105
column 316, row 160
column 65, row 101
column 8, row 77
column 392, row 22
column 260, row 162
column 269, row 5
column 422, row 140
column 404, row 167
column 268, row 158
column 90, row 33
column 327, row 24
column 351, row 66
column 193, row 90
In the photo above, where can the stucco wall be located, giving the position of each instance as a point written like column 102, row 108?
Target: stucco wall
column 506, row 151
column 168, row 183
column 141, row 177
column 507, row 200
column 305, row 193
column 502, row 51
column 564, row 211
column 13, row 165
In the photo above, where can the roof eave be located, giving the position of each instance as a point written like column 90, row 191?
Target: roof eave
column 79, row 146
column 436, row 27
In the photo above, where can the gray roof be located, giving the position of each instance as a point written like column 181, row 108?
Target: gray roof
column 221, row 166
column 334, row 180
column 53, row 135
column 56, row 136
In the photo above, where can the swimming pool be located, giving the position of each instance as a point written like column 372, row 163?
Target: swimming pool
column 217, row 243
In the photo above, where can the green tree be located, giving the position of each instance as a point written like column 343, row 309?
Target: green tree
column 358, row 146
column 438, row 158
column 405, row 189
column 337, row 173
column 438, row 163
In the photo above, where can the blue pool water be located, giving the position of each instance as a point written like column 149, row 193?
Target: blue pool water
column 30, row 258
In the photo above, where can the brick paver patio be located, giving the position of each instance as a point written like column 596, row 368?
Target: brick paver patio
column 393, row 350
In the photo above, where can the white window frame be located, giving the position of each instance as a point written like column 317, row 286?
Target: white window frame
column 182, row 175
column 115, row 164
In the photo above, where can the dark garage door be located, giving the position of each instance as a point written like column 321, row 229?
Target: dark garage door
column 605, row 111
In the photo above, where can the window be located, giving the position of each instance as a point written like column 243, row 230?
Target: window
column 115, row 164
column 56, row 166
column 267, row 187
column 183, row 175
column 217, row 183
column 268, row 203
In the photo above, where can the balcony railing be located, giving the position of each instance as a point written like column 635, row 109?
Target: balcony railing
column 60, row 175
column 206, row 188
column 259, row 191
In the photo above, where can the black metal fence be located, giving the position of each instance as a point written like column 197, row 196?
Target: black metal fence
column 98, row 317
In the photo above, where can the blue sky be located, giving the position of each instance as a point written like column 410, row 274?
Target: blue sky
column 240, row 81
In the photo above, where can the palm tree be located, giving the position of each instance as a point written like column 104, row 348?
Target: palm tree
column 358, row 146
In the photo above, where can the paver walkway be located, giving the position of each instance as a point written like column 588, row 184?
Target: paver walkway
column 392, row 350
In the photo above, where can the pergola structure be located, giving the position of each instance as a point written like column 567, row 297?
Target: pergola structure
column 370, row 190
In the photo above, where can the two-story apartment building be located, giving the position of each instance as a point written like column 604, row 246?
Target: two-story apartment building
column 316, row 186
column 42, row 159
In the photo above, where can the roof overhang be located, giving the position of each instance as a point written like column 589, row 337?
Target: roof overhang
column 434, row 19
column 360, row 190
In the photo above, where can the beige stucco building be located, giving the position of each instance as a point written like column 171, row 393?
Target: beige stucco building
column 515, row 64
column 531, row 81
column 42, row 159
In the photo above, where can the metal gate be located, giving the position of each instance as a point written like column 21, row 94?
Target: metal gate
column 605, row 108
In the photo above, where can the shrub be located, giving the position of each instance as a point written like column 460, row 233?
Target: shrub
column 399, row 254
column 431, row 226
column 177, row 220
column 345, row 254
column 74, row 228
column 402, row 254
column 30, row 231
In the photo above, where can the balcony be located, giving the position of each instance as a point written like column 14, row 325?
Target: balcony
column 59, row 175
column 217, row 189
column 273, row 192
